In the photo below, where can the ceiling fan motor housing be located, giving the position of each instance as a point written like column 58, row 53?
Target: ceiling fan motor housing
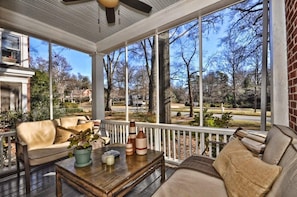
column 109, row 3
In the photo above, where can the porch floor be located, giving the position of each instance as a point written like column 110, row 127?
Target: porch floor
column 43, row 184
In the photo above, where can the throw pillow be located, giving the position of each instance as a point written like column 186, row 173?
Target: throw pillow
column 244, row 174
column 62, row 134
column 254, row 146
column 68, row 121
column 82, row 127
column 277, row 142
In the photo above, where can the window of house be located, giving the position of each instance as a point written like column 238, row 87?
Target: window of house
column 10, row 48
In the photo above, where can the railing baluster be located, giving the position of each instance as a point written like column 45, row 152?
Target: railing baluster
column 174, row 144
column 202, row 143
column 217, row 145
column 169, row 143
column 190, row 143
column 151, row 138
column 184, row 146
column 163, row 139
column 9, row 151
column 196, row 143
column 178, row 144
column 1, row 153
column 210, row 145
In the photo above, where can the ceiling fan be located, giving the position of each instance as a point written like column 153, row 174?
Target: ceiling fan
column 111, row 4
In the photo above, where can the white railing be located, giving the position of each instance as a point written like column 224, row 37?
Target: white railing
column 176, row 141
column 7, row 152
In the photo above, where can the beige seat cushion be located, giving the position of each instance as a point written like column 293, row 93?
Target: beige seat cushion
column 244, row 174
column 48, row 154
column 190, row 183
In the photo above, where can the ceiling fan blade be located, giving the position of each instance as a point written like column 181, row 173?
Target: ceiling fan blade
column 110, row 16
column 138, row 5
column 67, row 2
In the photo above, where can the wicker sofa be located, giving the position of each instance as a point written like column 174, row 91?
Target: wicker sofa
column 42, row 142
column 238, row 172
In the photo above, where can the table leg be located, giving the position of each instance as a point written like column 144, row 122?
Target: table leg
column 163, row 170
column 58, row 185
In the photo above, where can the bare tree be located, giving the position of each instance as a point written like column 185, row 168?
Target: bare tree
column 242, row 43
column 216, row 87
column 232, row 61
column 187, row 59
column 111, row 62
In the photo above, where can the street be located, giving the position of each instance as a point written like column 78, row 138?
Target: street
column 234, row 117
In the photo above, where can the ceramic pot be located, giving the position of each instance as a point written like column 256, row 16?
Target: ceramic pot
column 129, row 147
column 141, row 143
column 82, row 157
column 132, row 133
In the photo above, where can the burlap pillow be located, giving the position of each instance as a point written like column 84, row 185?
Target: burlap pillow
column 244, row 174
column 62, row 134
column 82, row 127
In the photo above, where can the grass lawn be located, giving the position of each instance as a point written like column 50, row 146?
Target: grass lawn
column 185, row 120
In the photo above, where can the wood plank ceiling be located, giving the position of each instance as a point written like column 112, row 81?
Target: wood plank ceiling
column 76, row 25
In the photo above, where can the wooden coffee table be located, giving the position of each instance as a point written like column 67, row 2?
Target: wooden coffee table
column 101, row 180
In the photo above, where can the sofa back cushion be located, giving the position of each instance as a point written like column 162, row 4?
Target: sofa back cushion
column 277, row 141
column 37, row 134
column 285, row 185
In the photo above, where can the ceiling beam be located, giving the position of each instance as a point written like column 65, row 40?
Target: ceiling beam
column 22, row 24
column 170, row 17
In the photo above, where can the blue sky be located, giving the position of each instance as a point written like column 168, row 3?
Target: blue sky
column 80, row 62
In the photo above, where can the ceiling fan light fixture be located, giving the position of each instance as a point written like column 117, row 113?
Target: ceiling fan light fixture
column 109, row 3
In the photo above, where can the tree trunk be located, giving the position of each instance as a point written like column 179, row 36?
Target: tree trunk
column 152, row 83
column 190, row 98
column 164, row 76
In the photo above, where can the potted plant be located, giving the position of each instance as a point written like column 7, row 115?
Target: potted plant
column 82, row 146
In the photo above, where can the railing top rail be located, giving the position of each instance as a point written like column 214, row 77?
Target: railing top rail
column 8, row 133
column 175, row 127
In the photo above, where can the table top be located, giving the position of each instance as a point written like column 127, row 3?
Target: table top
column 105, row 177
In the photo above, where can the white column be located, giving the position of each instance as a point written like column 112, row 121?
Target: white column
column 279, row 83
column 200, row 72
column 11, row 100
column 98, row 108
column 157, row 78
column 50, row 70
column 23, row 97
column 126, row 84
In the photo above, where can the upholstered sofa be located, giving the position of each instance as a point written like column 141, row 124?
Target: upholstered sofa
column 237, row 171
column 42, row 142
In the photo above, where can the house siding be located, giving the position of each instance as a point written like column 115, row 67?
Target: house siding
column 291, row 25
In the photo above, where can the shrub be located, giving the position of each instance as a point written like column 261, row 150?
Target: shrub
column 209, row 120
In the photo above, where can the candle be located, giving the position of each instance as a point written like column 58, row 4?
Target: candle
column 110, row 160
column 103, row 157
